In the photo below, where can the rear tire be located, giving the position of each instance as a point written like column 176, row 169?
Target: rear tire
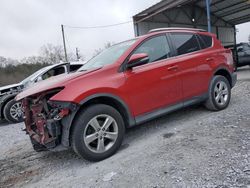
column 97, row 132
column 13, row 111
column 219, row 94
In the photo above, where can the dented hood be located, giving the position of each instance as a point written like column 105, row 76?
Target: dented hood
column 51, row 83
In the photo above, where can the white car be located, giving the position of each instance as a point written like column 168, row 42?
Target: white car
column 12, row 110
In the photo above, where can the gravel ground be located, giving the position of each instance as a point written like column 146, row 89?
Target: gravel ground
column 188, row 148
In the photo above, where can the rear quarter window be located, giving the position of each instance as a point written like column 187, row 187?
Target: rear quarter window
column 205, row 41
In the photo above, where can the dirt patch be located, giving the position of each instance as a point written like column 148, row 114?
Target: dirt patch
column 23, row 176
column 18, row 168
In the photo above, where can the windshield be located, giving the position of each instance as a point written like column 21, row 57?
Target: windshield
column 107, row 56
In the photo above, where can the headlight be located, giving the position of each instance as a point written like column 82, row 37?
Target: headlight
column 62, row 105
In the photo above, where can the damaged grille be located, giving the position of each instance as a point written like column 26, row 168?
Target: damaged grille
column 42, row 119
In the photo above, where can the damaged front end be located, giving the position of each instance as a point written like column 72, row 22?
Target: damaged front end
column 47, row 122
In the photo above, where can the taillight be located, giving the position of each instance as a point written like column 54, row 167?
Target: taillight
column 230, row 59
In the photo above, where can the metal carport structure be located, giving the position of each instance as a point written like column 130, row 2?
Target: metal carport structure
column 223, row 15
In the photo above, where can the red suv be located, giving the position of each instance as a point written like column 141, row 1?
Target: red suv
column 125, row 85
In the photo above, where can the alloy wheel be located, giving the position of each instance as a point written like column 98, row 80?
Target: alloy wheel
column 221, row 93
column 16, row 111
column 101, row 133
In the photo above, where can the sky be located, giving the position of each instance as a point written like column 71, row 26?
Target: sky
column 26, row 25
column 243, row 32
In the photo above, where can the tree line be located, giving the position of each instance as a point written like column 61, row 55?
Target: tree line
column 14, row 71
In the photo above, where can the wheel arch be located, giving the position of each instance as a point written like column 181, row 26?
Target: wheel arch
column 101, row 98
column 5, row 100
column 111, row 100
column 224, row 72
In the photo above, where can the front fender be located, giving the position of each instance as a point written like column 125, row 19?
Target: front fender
column 116, row 98
column 68, row 120
column 3, row 101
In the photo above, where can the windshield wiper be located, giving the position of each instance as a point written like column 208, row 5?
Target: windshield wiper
column 82, row 70
column 92, row 68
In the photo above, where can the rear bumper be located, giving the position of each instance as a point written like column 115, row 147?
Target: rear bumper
column 234, row 78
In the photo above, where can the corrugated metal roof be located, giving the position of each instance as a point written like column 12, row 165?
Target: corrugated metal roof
column 232, row 11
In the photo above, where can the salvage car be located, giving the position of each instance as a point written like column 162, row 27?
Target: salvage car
column 125, row 85
column 10, row 109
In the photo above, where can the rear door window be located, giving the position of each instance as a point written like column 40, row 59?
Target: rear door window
column 185, row 43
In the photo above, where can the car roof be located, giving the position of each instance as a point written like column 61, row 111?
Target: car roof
column 77, row 62
column 175, row 28
column 157, row 31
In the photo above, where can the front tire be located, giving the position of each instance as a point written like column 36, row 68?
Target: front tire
column 219, row 94
column 13, row 111
column 97, row 132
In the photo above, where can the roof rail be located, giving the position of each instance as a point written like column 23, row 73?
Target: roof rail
column 175, row 28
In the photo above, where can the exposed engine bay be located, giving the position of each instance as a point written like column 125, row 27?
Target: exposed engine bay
column 43, row 119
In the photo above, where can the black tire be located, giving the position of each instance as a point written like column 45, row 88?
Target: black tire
column 81, row 125
column 211, row 102
column 7, row 112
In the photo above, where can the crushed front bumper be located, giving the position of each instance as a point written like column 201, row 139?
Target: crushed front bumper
column 45, row 123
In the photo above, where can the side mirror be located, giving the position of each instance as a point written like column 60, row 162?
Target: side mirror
column 137, row 60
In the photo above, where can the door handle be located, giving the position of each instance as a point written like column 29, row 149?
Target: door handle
column 210, row 59
column 173, row 68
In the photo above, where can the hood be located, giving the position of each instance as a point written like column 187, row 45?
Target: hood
column 10, row 89
column 51, row 83
column 9, row 86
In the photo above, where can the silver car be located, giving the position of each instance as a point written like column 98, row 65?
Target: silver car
column 10, row 109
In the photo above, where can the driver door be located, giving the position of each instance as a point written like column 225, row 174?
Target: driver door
column 154, row 85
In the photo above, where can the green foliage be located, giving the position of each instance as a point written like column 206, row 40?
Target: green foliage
column 11, row 74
